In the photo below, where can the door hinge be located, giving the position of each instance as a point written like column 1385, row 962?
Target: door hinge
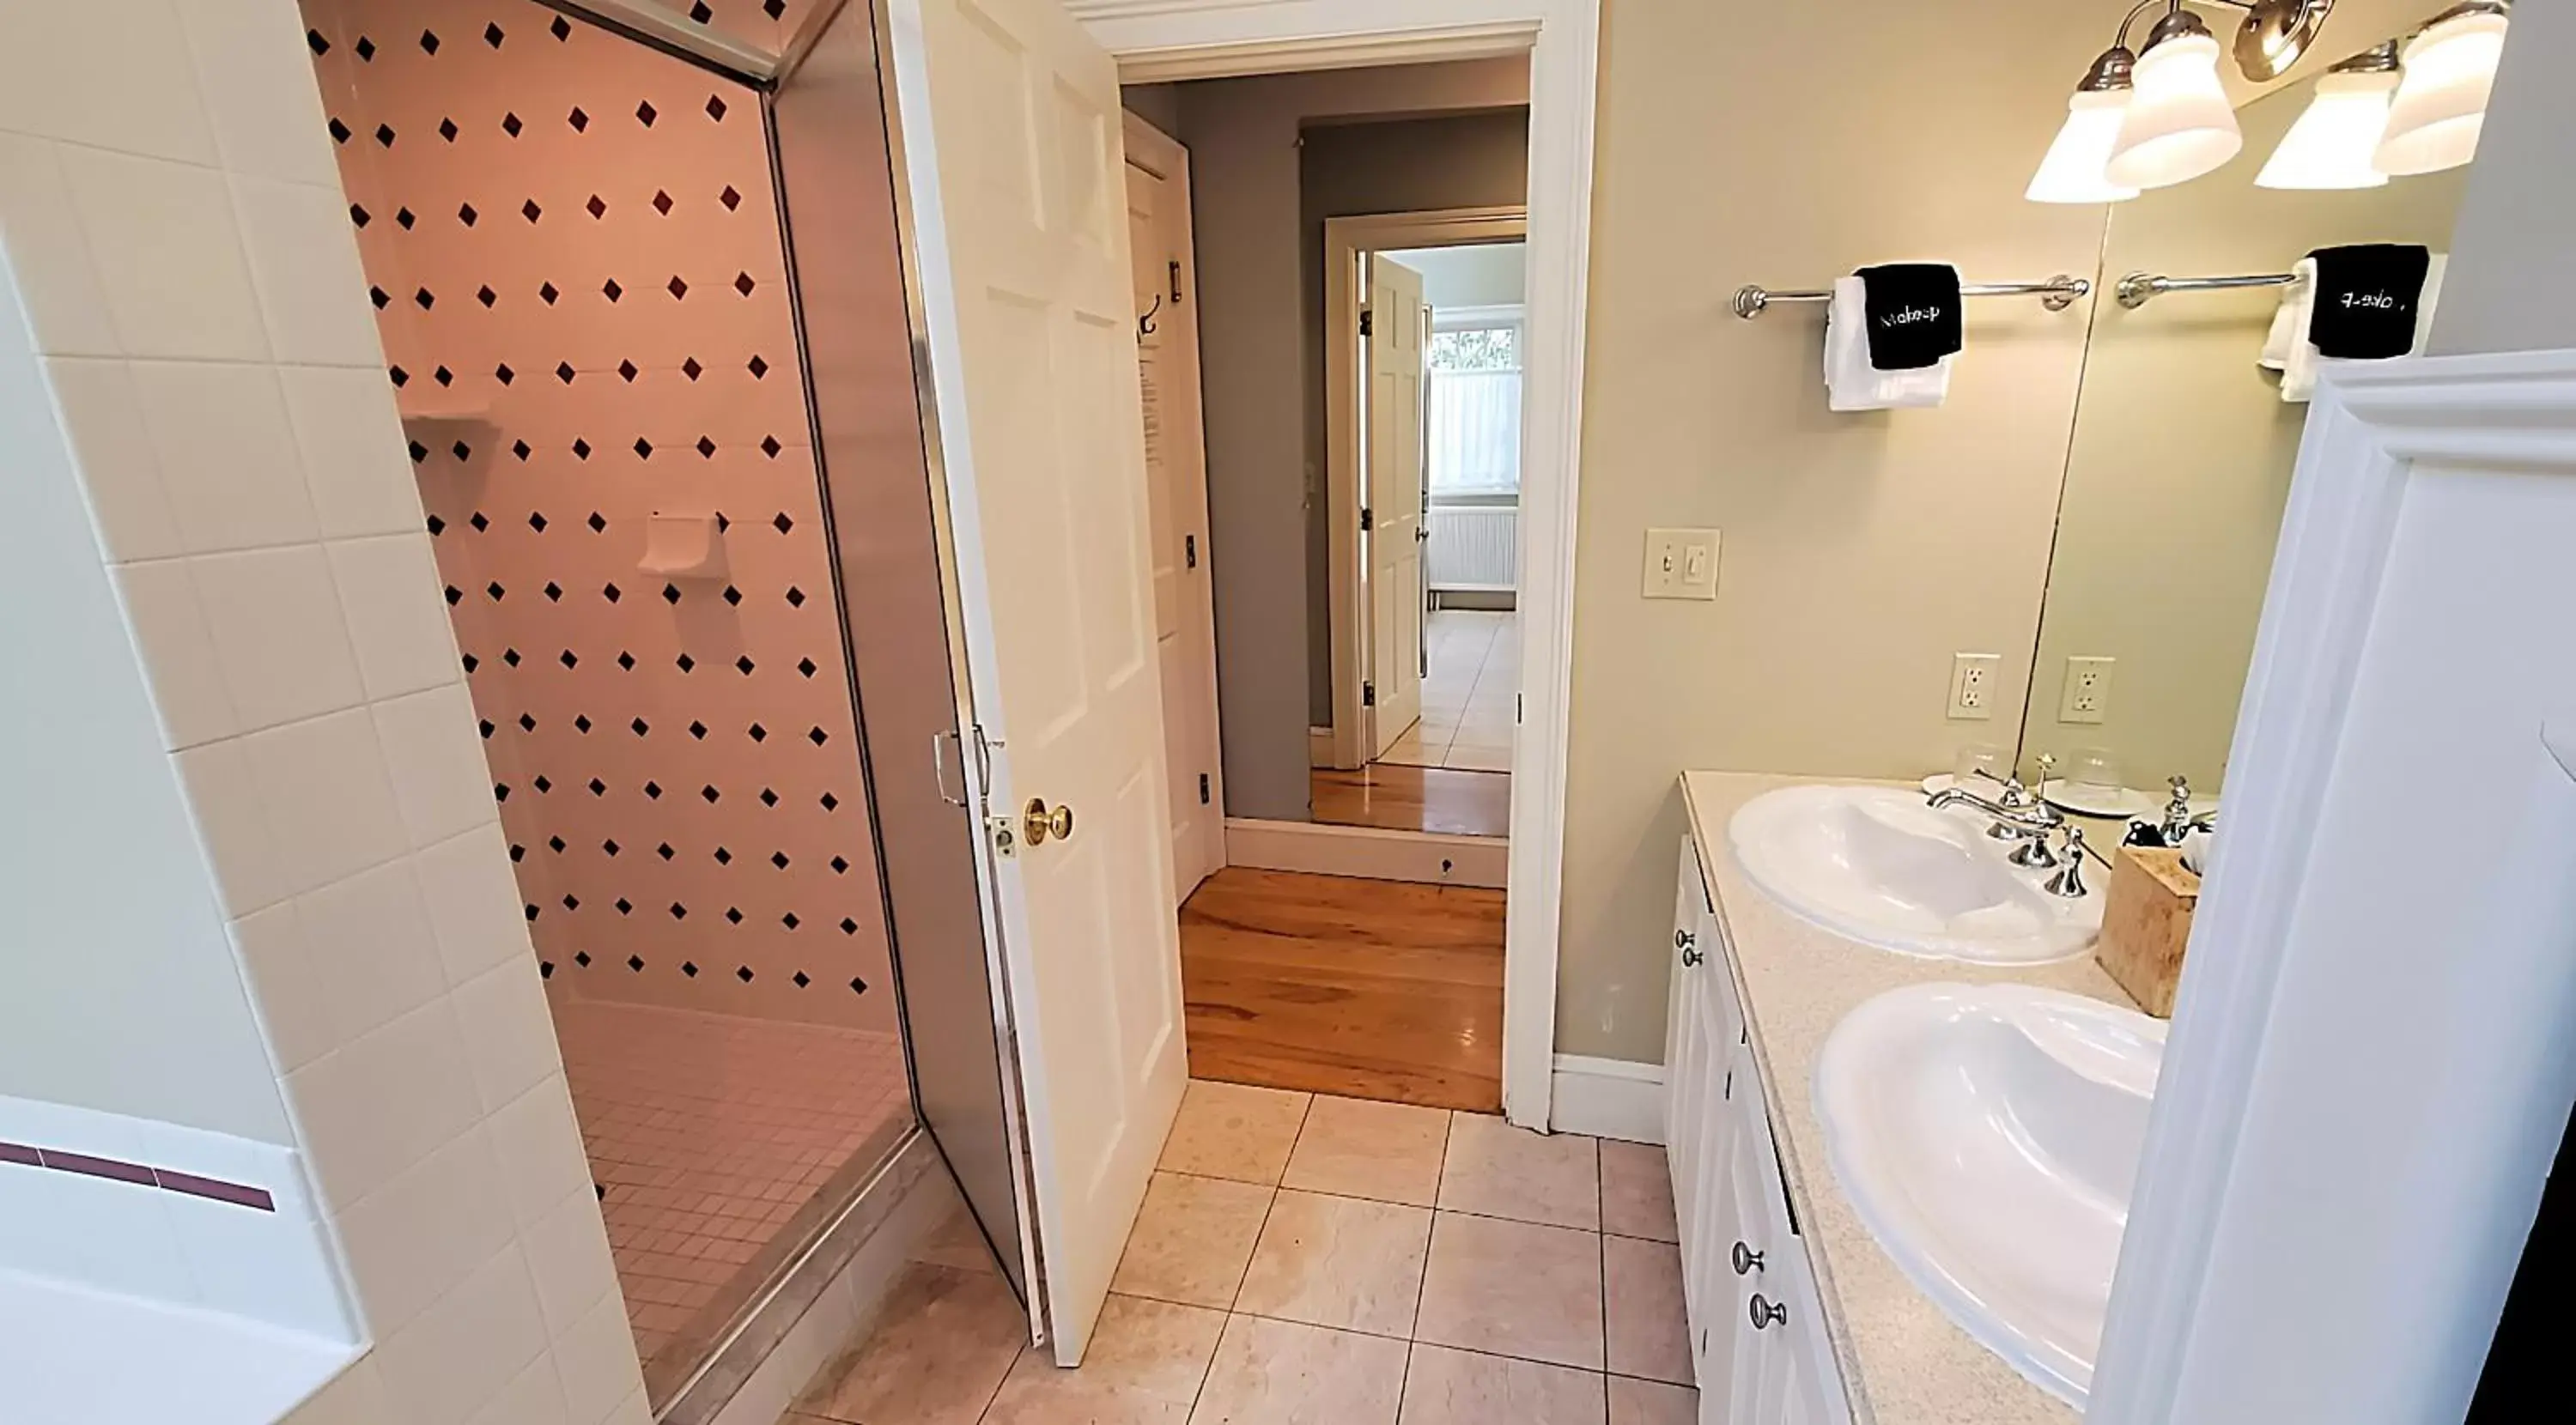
column 1368, row 519
column 1190, row 550
column 1368, row 322
column 1368, row 695
column 1203, row 789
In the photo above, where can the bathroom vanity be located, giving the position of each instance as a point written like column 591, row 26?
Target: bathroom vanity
column 1796, row 1314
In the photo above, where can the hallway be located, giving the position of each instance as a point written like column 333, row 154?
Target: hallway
column 1330, row 984
column 1474, row 658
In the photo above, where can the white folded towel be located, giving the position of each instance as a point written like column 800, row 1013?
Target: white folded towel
column 1851, row 383
column 2299, row 361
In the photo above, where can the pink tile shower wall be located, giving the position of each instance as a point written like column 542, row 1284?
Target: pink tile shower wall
column 574, row 251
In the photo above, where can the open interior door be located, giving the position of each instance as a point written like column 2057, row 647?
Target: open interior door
column 1012, row 156
column 1395, row 528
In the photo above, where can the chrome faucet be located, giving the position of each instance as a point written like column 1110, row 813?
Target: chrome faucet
column 2179, row 820
column 2016, row 814
column 2070, row 882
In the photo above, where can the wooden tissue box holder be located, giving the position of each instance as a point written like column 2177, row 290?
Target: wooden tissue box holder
column 2146, row 922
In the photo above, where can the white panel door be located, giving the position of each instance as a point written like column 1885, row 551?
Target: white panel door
column 1011, row 141
column 1397, row 324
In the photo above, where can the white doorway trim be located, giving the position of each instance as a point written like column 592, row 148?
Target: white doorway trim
column 1345, row 239
column 2352, row 1126
column 1178, row 39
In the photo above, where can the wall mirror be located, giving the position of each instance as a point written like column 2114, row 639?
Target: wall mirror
column 2180, row 466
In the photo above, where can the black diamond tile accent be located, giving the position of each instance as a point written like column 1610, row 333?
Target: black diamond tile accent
column 653, row 792
column 579, row 120
column 849, row 926
column 456, row 596
column 817, row 736
column 795, row 597
column 743, row 974
column 460, row 449
column 706, row 448
column 510, row 656
column 555, row 843
column 319, row 45
column 510, row 125
column 426, row 298
column 530, row 211
column 626, row 661
column 611, row 290
column 677, row 288
column 643, row 448
column 645, row 113
column 803, row 979
column 380, row 297
column 581, row 958
column 479, row 522
column 711, row 794
column 359, row 215
column 597, row 207
column 597, row 522
column 733, row 596
column 564, row 372
column 689, row 969
column 610, row 847
column 437, row 526
column 691, row 369
column 366, row 49
column 521, row 448
column 633, row 962
column 840, row 866
column 627, row 370
column 698, row 730
column 745, row 664
column 773, row 8
column 569, row 659
column 858, row 986
column 581, row 447
column 716, row 107
column 723, row 857
column 487, row 729
column 561, row 29
column 385, row 135
column 339, row 132
column 700, row 13
column 742, row 283
column 768, row 797
column 400, row 377
column 493, row 36
column 770, row 447
column 445, row 377
column 733, row 914
column 805, row 666
column 548, row 293
column 469, row 660
column 730, row 197
column 598, row 788
column 779, row 859
column 554, row 595
column 496, row 591
column 685, row 663
column 757, row 733
column 581, row 722
column 830, row 802
column 486, row 296
column 639, row 727
column 428, row 42
column 611, row 592
column 405, row 218
column 542, row 785
column 783, row 523
column 447, row 129
column 537, row 522
column 757, row 367
column 664, row 851
column 503, row 374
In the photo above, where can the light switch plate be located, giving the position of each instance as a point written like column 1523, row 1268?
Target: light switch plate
column 2086, row 695
column 1681, row 564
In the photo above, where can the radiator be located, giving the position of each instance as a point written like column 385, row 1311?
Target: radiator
column 1474, row 547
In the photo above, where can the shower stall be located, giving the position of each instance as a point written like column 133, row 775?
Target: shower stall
column 637, row 273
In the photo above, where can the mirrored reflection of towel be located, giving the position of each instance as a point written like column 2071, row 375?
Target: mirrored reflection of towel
column 2300, row 361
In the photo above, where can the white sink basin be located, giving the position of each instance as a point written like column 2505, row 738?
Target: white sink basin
column 1876, row 865
column 1987, row 1136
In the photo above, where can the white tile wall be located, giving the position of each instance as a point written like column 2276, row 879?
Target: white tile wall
column 175, row 222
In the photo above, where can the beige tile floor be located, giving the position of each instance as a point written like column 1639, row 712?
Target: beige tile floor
column 1466, row 721
column 1309, row 1260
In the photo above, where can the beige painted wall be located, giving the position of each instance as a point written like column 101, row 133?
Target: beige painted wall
column 2182, row 456
column 1243, row 141
column 1783, row 145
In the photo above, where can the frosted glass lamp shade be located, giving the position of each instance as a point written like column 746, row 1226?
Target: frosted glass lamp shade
column 2332, row 143
column 2433, row 122
column 2180, row 125
column 2073, row 170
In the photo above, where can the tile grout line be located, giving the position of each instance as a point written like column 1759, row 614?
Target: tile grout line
column 1422, row 1285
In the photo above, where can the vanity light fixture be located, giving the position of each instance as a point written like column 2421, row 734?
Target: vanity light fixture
column 2441, row 104
column 2180, row 124
column 2073, row 170
column 2335, row 138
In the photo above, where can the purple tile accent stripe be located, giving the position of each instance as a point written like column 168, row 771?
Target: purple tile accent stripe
column 238, row 1194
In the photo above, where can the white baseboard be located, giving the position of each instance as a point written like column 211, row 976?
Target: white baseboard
column 1608, row 1098
column 1428, row 857
column 1319, row 747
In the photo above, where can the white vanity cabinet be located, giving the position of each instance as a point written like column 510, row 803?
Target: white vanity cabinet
column 1757, row 1327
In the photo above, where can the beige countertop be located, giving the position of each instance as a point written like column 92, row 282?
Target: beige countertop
column 1903, row 1361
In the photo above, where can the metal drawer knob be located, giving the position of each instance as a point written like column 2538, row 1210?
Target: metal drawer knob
column 1746, row 1260
column 1765, row 1314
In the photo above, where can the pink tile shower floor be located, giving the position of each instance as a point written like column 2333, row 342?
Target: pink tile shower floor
column 707, row 1132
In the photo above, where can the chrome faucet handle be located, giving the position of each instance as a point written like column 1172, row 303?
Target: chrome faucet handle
column 2033, row 853
column 2177, row 812
column 2015, row 798
column 2070, row 881
column 2047, row 767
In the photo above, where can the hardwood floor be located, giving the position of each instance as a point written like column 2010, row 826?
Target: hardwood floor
column 1402, row 798
column 1328, row 984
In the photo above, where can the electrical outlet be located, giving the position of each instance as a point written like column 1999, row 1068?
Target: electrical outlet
column 1972, row 685
column 1681, row 564
column 2086, row 694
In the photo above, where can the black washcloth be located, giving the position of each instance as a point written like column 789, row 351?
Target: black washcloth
column 2367, row 295
column 1913, row 311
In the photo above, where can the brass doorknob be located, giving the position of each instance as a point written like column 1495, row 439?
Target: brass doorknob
column 1037, row 823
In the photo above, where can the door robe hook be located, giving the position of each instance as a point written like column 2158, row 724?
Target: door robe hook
column 1145, row 323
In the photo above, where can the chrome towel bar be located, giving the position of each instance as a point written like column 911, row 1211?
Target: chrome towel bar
column 2057, row 294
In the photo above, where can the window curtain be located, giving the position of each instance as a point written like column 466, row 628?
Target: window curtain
column 1474, row 440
